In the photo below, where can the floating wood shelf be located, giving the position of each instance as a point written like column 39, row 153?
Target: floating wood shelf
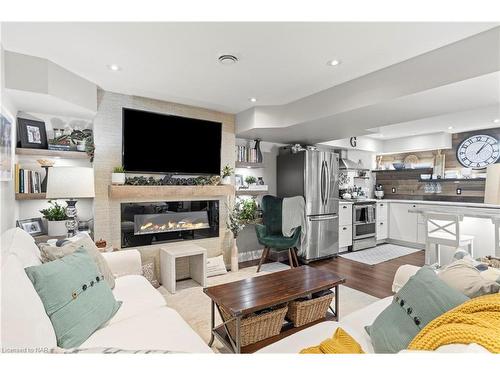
column 29, row 196
column 251, row 192
column 244, row 164
column 52, row 153
column 161, row 192
column 408, row 170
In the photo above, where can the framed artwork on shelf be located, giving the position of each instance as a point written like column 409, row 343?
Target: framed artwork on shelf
column 33, row 226
column 32, row 133
column 238, row 180
column 5, row 147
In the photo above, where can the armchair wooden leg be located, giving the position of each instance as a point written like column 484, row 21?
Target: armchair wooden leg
column 290, row 258
column 294, row 253
column 265, row 252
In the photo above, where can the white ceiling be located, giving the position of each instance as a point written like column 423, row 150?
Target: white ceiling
column 279, row 62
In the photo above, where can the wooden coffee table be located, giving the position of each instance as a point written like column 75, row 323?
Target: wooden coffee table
column 244, row 297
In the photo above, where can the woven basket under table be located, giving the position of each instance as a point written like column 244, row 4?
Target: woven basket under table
column 257, row 327
column 304, row 312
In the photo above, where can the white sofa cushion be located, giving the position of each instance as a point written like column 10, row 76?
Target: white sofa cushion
column 124, row 262
column 24, row 321
column 354, row 324
column 159, row 329
column 17, row 241
column 137, row 295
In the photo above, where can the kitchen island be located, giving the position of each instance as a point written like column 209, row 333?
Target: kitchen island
column 406, row 223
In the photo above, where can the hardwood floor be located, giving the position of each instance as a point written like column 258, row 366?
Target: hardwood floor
column 375, row 280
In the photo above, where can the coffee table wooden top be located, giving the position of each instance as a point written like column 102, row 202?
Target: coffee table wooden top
column 246, row 296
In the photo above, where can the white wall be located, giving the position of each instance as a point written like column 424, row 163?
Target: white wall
column 8, row 208
column 416, row 143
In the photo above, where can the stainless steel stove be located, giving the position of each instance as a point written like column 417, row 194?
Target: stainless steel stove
column 364, row 227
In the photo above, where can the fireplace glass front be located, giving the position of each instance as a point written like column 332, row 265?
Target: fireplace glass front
column 156, row 222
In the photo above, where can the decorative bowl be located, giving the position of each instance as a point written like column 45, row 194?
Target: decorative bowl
column 398, row 166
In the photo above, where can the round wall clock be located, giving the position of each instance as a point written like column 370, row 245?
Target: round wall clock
column 478, row 151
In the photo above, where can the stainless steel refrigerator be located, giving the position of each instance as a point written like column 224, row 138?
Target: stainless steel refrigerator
column 314, row 175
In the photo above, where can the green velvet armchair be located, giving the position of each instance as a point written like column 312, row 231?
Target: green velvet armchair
column 270, row 234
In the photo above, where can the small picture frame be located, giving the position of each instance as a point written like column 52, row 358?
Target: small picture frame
column 32, row 133
column 238, row 180
column 32, row 226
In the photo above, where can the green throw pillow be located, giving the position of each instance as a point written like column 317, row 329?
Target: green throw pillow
column 422, row 299
column 75, row 295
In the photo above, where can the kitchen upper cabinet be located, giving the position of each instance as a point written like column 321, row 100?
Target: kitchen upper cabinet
column 402, row 224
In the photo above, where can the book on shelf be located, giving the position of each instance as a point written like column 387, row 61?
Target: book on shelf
column 246, row 154
column 27, row 181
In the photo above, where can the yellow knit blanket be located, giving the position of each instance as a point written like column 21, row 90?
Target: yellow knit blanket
column 475, row 321
column 340, row 343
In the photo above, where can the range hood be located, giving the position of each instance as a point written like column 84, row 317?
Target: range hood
column 346, row 164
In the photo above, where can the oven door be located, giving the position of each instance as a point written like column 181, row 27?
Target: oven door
column 363, row 213
column 363, row 230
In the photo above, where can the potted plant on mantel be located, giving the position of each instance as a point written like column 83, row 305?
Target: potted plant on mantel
column 56, row 219
column 118, row 176
column 241, row 213
column 227, row 172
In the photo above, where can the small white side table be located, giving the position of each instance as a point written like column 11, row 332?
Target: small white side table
column 197, row 264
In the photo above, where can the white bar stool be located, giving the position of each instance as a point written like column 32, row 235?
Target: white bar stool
column 444, row 229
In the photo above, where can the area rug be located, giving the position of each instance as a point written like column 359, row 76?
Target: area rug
column 379, row 254
column 194, row 306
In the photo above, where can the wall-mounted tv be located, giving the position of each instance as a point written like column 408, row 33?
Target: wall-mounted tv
column 160, row 143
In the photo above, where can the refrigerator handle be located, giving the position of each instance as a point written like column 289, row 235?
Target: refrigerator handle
column 328, row 183
column 322, row 182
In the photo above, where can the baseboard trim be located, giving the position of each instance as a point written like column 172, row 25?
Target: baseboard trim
column 413, row 245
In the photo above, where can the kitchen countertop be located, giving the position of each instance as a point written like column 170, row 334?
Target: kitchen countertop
column 441, row 203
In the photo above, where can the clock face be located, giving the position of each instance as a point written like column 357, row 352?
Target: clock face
column 478, row 151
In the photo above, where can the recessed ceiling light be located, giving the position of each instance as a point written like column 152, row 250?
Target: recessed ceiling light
column 227, row 59
column 450, row 127
column 496, row 121
column 333, row 62
column 114, row 67
column 253, row 100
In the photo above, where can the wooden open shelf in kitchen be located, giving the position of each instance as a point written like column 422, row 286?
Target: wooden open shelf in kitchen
column 147, row 192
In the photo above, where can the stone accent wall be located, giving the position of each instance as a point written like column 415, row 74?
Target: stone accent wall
column 108, row 154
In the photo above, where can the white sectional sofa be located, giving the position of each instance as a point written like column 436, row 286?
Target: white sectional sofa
column 144, row 321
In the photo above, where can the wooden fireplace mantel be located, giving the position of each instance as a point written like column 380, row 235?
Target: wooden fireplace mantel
column 146, row 192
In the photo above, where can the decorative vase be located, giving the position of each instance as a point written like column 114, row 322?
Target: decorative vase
column 44, row 181
column 226, row 180
column 118, row 178
column 258, row 153
column 260, row 181
column 234, row 257
column 56, row 228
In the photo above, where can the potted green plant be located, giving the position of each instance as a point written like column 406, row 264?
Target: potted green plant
column 227, row 172
column 250, row 180
column 235, row 224
column 118, row 176
column 56, row 218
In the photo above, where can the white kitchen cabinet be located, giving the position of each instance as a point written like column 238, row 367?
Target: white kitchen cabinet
column 345, row 213
column 402, row 224
column 345, row 236
column 382, row 230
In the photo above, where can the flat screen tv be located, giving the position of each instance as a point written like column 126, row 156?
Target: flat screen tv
column 160, row 143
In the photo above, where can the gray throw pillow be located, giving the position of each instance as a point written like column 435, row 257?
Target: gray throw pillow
column 422, row 299
column 50, row 253
column 464, row 277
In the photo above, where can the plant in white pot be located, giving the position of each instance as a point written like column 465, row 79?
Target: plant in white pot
column 56, row 219
column 250, row 180
column 118, row 176
column 227, row 172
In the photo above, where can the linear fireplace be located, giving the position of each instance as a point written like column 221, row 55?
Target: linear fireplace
column 157, row 222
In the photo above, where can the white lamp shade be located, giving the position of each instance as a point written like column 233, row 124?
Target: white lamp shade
column 70, row 182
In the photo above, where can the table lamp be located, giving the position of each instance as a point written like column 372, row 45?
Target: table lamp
column 69, row 183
